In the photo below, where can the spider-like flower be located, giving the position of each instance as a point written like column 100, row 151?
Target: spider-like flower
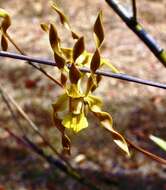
column 70, row 109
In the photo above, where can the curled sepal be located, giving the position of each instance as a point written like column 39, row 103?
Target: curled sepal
column 3, row 13
column 44, row 27
column 94, row 103
column 60, row 104
column 63, row 79
column 83, row 59
column 98, row 30
column 6, row 20
column 65, row 139
column 74, row 74
column 92, row 83
column 74, row 35
column 66, row 143
column 68, row 53
column 98, row 79
column 95, row 61
column 60, row 61
column 78, row 48
column 106, row 121
column 107, row 63
column 4, row 43
column 64, row 20
column 75, row 122
column 62, row 17
column 54, row 39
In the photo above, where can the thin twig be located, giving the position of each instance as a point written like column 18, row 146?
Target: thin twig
column 60, row 165
column 51, row 160
column 17, row 138
column 35, row 128
column 124, row 77
column 30, row 63
column 134, row 7
column 136, row 27
column 4, row 98
column 67, row 168
column 145, row 152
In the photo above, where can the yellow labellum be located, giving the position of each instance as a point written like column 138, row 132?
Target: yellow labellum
column 75, row 122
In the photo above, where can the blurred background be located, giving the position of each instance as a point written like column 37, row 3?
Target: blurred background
column 137, row 110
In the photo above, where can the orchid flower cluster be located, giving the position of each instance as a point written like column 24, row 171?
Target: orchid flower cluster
column 71, row 108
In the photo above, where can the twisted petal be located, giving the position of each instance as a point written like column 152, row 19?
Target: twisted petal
column 106, row 121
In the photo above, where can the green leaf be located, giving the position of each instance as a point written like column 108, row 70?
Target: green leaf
column 95, row 62
column 98, row 30
column 4, row 43
column 160, row 142
column 78, row 48
column 75, row 122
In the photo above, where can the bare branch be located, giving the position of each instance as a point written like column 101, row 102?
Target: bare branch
column 124, row 77
column 136, row 27
column 6, row 101
column 63, row 166
column 56, row 163
column 147, row 153
column 134, row 7
column 7, row 98
column 30, row 63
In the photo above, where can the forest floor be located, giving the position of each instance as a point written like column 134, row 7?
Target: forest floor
column 137, row 110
